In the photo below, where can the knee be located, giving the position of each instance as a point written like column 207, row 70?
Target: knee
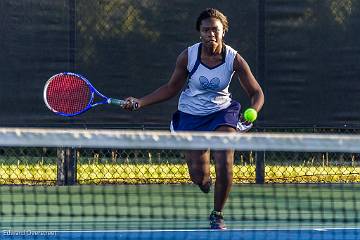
column 224, row 156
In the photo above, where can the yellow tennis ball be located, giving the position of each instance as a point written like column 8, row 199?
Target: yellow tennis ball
column 250, row 115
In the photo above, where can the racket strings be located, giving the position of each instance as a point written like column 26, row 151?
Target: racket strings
column 68, row 94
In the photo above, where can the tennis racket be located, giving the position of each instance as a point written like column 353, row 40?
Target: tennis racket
column 69, row 94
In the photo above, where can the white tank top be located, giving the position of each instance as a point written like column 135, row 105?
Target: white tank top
column 207, row 89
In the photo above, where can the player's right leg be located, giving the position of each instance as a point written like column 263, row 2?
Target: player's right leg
column 198, row 162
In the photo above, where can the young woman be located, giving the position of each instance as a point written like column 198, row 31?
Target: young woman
column 205, row 104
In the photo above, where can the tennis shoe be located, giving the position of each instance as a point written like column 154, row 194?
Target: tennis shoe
column 217, row 220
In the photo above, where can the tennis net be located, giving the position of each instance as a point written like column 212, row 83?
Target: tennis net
column 134, row 184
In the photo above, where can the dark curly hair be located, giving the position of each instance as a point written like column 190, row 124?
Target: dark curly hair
column 212, row 13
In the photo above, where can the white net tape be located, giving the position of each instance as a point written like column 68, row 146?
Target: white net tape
column 35, row 137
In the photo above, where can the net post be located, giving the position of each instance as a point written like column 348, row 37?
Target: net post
column 66, row 166
column 260, row 167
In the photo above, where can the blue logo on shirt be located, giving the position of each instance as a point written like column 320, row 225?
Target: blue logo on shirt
column 213, row 84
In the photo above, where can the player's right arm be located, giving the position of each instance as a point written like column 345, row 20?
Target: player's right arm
column 168, row 90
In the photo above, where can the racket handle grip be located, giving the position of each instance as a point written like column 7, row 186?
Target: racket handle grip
column 121, row 103
column 115, row 101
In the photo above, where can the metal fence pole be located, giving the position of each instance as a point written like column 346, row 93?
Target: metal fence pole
column 66, row 166
column 260, row 167
column 261, row 75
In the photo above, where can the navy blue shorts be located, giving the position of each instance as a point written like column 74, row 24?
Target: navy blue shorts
column 187, row 122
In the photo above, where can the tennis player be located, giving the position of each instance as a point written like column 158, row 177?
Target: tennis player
column 205, row 104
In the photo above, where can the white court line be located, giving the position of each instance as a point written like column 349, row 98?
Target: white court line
column 205, row 230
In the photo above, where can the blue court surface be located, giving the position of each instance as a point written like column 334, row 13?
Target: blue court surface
column 257, row 234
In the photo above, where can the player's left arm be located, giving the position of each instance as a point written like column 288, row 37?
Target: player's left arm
column 248, row 82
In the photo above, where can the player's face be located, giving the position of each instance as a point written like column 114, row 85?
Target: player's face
column 211, row 32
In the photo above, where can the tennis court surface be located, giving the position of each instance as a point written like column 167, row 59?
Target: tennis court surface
column 88, row 184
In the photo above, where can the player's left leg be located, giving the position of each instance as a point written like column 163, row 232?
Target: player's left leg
column 224, row 160
column 198, row 162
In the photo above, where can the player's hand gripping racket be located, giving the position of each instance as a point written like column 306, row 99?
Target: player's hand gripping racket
column 69, row 94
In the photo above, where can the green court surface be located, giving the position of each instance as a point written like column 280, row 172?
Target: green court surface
column 182, row 206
